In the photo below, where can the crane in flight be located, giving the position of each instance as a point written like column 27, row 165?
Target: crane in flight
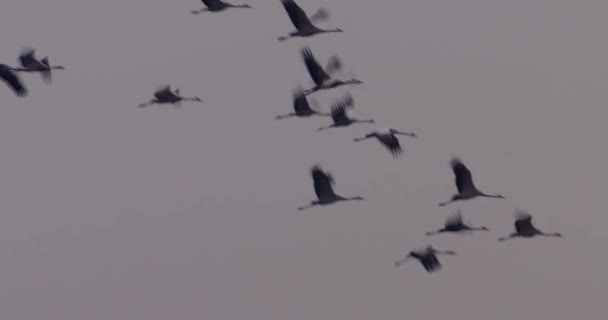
column 388, row 138
column 217, row 6
column 341, row 113
column 524, row 228
column 302, row 23
column 323, row 185
column 427, row 257
column 464, row 184
column 454, row 224
column 301, row 107
column 164, row 95
column 321, row 78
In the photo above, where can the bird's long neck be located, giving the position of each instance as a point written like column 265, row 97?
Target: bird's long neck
column 490, row 195
column 364, row 121
column 436, row 232
column 189, row 98
column 552, row 234
column 511, row 236
column 283, row 116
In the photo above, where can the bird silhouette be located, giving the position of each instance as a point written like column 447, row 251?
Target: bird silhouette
column 164, row 95
column 29, row 63
column 525, row 228
column 340, row 113
column 301, row 107
column 217, row 6
column 13, row 81
column 321, row 77
column 388, row 138
column 323, row 182
column 454, row 223
column 464, row 184
column 302, row 23
column 427, row 257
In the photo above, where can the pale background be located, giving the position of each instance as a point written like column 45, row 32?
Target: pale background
column 115, row 212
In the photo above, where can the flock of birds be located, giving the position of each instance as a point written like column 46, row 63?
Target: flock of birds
column 341, row 115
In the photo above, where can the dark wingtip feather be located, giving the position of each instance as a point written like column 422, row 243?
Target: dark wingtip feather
column 456, row 162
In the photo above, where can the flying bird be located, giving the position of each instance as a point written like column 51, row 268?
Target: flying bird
column 323, row 182
column 301, row 107
column 302, row 23
column 12, row 80
column 341, row 113
column 454, row 223
column 525, row 228
column 321, row 77
column 464, row 184
column 218, row 5
column 29, row 63
column 388, row 138
column 164, row 95
column 427, row 257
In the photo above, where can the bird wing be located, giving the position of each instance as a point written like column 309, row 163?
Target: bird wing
column 211, row 3
column 300, row 104
column 322, row 183
column 26, row 58
column 340, row 107
column 298, row 17
column 523, row 221
column 455, row 219
column 318, row 75
column 391, row 142
column 13, row 81
column 334, row 64
column 464, row 179
column 430, row 262
column 163, row 91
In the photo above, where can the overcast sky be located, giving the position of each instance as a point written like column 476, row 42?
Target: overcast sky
column 114, row 212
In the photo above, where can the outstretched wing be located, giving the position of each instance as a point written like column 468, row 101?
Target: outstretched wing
column 211, row 3
column 298, row 17
column 463, row 177
column 340, row 107
column 13, row 81
column 318, row 75
column 430, row 262
column 391, row 142
column 163, row 91
column 523, row 221
column 334, row 64
column 300, row 104
column 322, row 183
column 26, row 57
column 455, row 219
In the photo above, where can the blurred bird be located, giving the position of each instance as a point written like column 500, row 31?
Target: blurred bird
column 525, row 228
column 321, row 77
column 427, row 257
column 12, row 80
column 387, row 137
column 29, row 63
column 218, row 5
column 323, row 182
column 455, row 224
column 164, row 95
column 301, row 107
column 464, row 184
column 303, row 24
column 341, row 113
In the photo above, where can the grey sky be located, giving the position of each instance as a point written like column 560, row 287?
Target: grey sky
column 115, row 212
